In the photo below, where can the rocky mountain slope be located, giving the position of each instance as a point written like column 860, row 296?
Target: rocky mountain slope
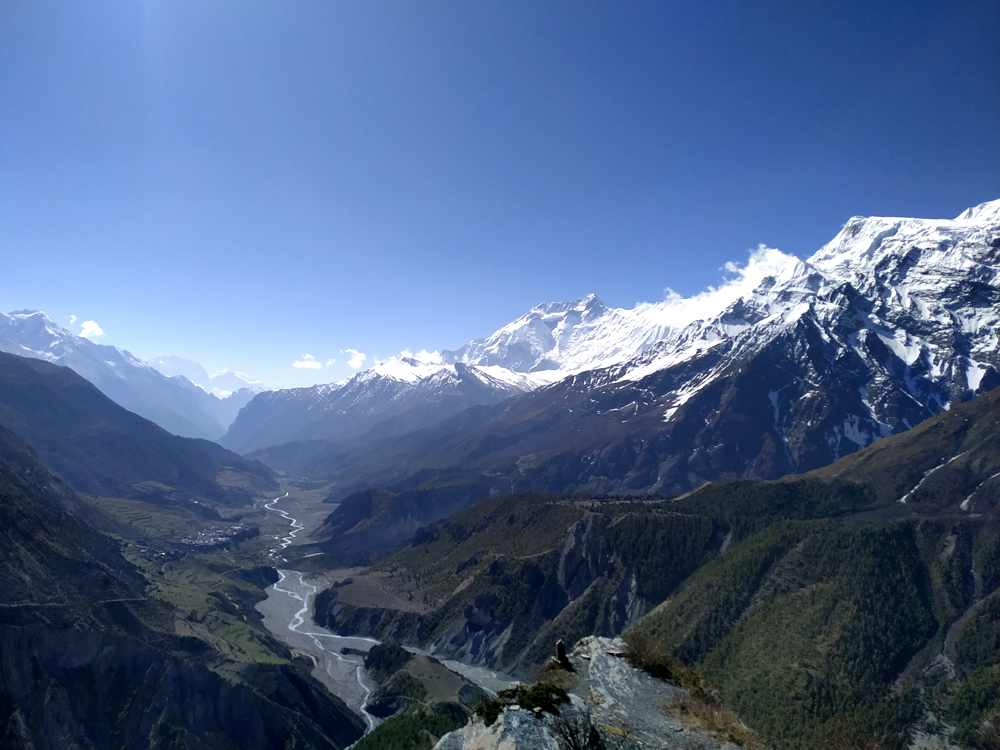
column 90, row 657
column 887, row 325
column 713, row 574
column 100, row 448
column 174, row 403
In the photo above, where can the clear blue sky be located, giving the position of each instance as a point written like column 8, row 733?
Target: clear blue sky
column 241, row 183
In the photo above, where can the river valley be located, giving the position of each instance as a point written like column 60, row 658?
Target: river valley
column 288, row 616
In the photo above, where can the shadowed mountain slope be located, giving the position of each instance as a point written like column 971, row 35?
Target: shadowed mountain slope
column 50, row 554
column 100, row 448
column 950, row 460
column 391, row 398
column 90, row 658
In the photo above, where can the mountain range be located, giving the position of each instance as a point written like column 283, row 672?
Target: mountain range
column 222, row 384
column 890, row 323
column 175, row 403
column 810, row 450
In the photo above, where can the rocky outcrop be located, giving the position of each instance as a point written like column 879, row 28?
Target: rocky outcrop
column 606, row 694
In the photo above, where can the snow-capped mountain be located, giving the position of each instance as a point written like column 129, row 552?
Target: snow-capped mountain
column 915, row 299
column 223, row 384
column 556, row 339
column 541, row 347
column 885, row 326
column 226, row 382
column 174, row 403
column 390, row 398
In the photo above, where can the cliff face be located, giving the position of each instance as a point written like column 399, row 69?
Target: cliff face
column 511, row 576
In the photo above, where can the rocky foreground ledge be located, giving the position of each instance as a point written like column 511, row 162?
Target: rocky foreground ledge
column 607, row 695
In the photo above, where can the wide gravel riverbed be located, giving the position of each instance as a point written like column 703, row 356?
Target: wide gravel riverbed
column 287, row 614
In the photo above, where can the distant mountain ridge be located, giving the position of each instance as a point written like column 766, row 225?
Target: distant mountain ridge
column 174, row 403
column 222, row 384
column 885, row 326
column 391, row 398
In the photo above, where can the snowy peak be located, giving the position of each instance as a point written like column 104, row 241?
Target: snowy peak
column 557, row 339
column 31, row 333
column 541, row 339
column 226, row 382
column 864, row 243
column 984, row 212
column 589, row 307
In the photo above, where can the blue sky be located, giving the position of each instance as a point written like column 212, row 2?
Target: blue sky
column 240, row 183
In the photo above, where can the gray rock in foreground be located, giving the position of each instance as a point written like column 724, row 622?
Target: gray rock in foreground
column 616, row 695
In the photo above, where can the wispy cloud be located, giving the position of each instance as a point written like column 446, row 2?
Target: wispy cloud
column 330, row 362
column 357, row 358
column 423, row 356
column 72, row 319
column 307, row 361
column 90, row 330
column 678, row 311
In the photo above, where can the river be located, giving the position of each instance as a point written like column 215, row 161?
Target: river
column 287, row 615
column 296, row 527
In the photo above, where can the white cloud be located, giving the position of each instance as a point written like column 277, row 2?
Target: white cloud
column 90, row 330
column 764, row 261
column 424, row 357
column 72, row 319
column 330, row 362
column 308, row 361
column 357, row 358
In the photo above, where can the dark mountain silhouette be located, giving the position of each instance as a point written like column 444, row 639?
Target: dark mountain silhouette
column 100, row 448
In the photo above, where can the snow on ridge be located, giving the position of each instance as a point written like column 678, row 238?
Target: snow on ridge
column 988, row 211
column 903, row 261
column 571, row 337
